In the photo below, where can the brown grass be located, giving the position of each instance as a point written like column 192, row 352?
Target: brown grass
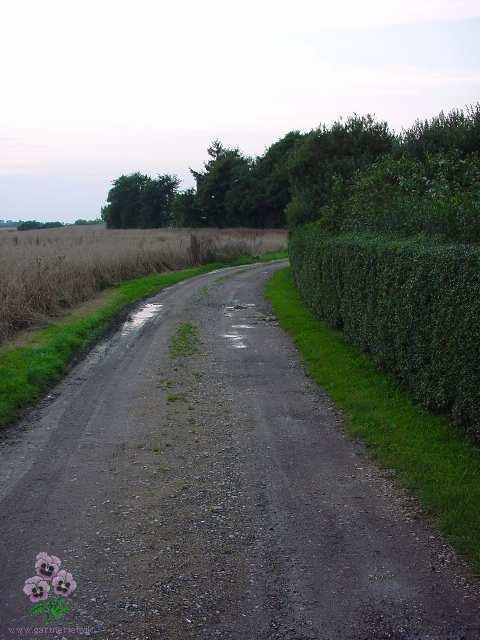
column 43, row 273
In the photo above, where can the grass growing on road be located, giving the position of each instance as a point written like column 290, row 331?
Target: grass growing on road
column 26, row 372
column 431, row 457
column 185, row 342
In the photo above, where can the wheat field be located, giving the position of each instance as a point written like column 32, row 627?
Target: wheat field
column 46, row 272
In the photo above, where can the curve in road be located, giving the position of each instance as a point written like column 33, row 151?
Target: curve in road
column 207, row 490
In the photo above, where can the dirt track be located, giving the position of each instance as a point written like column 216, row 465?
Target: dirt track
column 214, row 494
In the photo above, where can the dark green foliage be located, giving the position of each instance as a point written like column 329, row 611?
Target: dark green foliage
column 459, row 130
column 355, row 174
column 438, row 197
column 380, row 263
column 236, row 191
column 358, row 175
column 272, row 181
column 414, row 306
column 139, row 201
column 185, row 211
column 29, row 225
column 224, row 188
column 82, row 223
column 328, row 154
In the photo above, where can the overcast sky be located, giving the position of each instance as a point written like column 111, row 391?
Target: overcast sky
column 91, row 89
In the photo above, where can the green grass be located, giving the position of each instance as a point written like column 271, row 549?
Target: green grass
column 27, row 372
column 175, row 397
column 185, row 342
column 432, row 459
column 266, row 257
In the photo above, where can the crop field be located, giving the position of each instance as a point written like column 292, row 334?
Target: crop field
column 44, row 273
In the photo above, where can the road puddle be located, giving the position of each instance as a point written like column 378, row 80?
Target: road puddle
column 140, row 317
column 239, row 307
column 236, row 340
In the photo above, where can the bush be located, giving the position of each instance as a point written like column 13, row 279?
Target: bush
column 414, row 306
column 458, row 130
column 438, row 197
column 328, row 154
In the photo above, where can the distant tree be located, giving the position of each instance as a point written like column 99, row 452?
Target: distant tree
column 52, row 225
column 156, row 200
column 28, row 225
column 235, row 190
column 82, row 222
column 8, row 224
column 139, row 201
column 222, row 186
column 185, row 210
column 123, row 202
column 272, row 181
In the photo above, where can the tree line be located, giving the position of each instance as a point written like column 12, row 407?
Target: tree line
column 232, row 190
column 32, row 225
column 356, row 173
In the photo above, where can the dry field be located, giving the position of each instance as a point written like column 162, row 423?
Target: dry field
column 45, row 272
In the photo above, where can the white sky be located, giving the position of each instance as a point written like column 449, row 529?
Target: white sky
column 93, row 89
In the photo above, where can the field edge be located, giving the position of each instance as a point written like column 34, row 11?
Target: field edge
column 27, row 372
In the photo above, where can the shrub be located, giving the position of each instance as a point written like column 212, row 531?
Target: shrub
column 458, row 130
column 438, row 197
column 414, row 306
column 326, row 154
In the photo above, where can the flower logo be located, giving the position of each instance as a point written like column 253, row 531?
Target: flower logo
column 50, row 588
column 47, row 566
column 63, row 583
column 36, row 588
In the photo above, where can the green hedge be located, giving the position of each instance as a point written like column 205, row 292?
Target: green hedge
column 414, row 306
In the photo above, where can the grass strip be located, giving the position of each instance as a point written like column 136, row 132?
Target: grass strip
column 26, row 372
column 185, row 342
column 431, row 457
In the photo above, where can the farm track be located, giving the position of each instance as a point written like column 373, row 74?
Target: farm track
column 209, row 491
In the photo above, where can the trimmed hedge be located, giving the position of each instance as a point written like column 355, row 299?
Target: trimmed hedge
column 414, row 306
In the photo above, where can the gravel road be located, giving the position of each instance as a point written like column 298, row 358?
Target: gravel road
column 207, row 490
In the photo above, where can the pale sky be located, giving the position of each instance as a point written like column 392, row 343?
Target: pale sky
column 91, row 89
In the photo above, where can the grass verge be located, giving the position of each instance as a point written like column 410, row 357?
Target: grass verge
column 26, row 372
column 431, row 457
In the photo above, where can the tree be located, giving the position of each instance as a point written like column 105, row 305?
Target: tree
column 139, row 201
column 457, row 131
column 221, row 185
column 82, row 223
column 29, row 225
column 185, row 211
column 327, row 155
column 272, row 181
column 156, row 199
